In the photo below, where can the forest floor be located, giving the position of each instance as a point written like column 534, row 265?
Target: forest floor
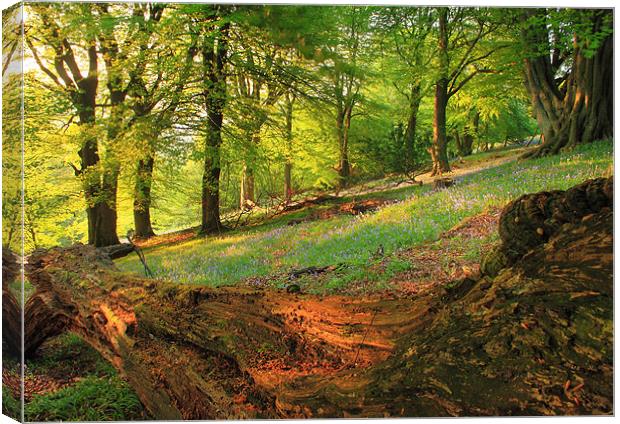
column 362, row 240
column 406, row 239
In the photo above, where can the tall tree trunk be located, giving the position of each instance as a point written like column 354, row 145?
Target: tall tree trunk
column 142, row 198
column 440, row 142
column 100, row 200
column 412, row 122
column 288, row 165
column 288, row 186
column 211, row 179
column 466, row 144
column 459, row 144
column 214, row 57
column 343, row 122
column 246, row 197
column 107, row 216
column 584, row 111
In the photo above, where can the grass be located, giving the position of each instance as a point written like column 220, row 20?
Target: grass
column 10, row 404
column 67, row 353
column 91, row 399
column 418, row 216
column 95, row 392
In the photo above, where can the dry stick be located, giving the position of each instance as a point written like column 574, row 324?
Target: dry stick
column 147, row 270
column 365, row 335
column 140, row 254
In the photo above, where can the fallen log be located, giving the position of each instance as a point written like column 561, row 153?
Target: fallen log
column 536, row 339
column 40, row 320
column 192, row 352
column 117, row 251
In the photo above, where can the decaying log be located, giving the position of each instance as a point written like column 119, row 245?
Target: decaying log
column 536, row 339
column 40, row 320
column 193, row 352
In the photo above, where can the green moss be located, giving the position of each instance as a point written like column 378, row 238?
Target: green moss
column 10, row 405
column 99, row 394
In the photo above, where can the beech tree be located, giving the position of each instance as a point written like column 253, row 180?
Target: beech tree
column 347, row 76
column 214, row 58
column 258, row 93
column 569, row 75
column 80, row 87
column 408, row 33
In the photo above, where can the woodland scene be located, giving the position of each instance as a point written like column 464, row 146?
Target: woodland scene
column 234, row 211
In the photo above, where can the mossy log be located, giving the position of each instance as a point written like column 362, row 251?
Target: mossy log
column 534, row 340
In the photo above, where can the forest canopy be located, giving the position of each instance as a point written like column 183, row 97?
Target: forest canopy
column 155, row 117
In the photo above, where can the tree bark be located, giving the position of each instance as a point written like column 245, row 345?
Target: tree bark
column 465, row 145
column 415, row 98
column 246, row 195
column 214, row 60
column 343, row 124
column 99, row 186
column 440, row 141
column 583, row 111
column 142, row 198
column 288, row 165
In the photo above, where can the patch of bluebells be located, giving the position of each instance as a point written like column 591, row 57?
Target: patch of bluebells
column 418, row 217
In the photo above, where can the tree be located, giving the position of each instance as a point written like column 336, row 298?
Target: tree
column 461, row 52
column 163, row 73
column 214, row 58
column 347, row 77
column 80, row 87
column 405, row 31
column 569, row 75
column 289, row 102
column 258, row 88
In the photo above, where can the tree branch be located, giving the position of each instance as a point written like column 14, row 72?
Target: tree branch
column 42, row 66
